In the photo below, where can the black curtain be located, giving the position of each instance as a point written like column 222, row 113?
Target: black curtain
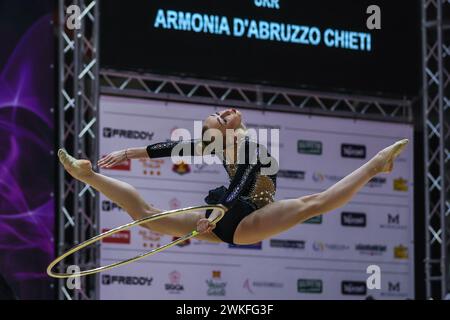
column 6, row 292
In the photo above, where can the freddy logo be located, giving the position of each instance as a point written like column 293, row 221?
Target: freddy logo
column 126, row 280
column 127, row 134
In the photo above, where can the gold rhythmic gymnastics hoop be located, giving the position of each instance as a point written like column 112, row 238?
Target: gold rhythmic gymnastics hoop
column 158, row 216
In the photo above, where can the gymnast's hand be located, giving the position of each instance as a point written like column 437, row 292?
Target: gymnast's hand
column 112, row 159
column 205, row 226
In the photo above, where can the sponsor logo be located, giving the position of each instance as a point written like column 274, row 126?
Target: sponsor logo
column 182, row 244
column 150, row 239
column 393, row 219
column 401, row 184
column 371, row 249
column 174, row 286
column 173, row 130
column 320, row 177
column 248, row 286
column 309, row 286
column 123, row 166
column 393, row 290
column 319, row 246
column 267, row 284
column 315, row 220
column 204, row 168
column 174, row 203
column 289, row 244
column 355, row 288
column 353, row 219
column 291, row 174
column 376, row 182
column 393, row 222
column 122, row 237
column 394, row 287
column 309, row 147
column 353, row 151
column 216, row 287
column 181, row 168
column 256, row 246
column 401, row 252
column 204, row 243
column 126, row 280
column 151, row 167
column 251, row 285
column 110, row 206
column 127, row 134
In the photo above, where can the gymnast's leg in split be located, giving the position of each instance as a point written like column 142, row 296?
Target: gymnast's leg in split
column 280, row 216
column 129, row 199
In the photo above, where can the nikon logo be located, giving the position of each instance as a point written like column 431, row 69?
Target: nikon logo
column 353, row 151
column 356, row 288
column 353, row 219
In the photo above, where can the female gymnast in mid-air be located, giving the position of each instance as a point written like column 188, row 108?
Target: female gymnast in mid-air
column 252, row 214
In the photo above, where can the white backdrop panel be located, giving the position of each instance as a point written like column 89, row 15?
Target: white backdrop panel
column 326, row 259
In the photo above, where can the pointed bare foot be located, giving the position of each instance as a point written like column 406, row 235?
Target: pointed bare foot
column 79, row 169
column 384, row 160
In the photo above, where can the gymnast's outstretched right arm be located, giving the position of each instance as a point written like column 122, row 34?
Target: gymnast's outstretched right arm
column 153, row 151
column 117, row 157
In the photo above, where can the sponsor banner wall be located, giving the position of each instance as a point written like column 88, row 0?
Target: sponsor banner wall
column 324, row 258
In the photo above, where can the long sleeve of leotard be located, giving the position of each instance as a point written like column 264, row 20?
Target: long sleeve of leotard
column 164, row 149
column 245, row 174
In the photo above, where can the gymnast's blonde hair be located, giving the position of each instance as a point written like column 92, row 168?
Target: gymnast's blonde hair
column 241, row 132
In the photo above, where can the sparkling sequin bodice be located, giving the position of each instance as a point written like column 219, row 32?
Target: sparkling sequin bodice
column 246, row 180
column 262, row 191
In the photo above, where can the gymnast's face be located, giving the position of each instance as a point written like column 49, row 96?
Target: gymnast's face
column 223, row 120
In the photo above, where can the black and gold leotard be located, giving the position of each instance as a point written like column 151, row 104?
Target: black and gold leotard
column 248, row 190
